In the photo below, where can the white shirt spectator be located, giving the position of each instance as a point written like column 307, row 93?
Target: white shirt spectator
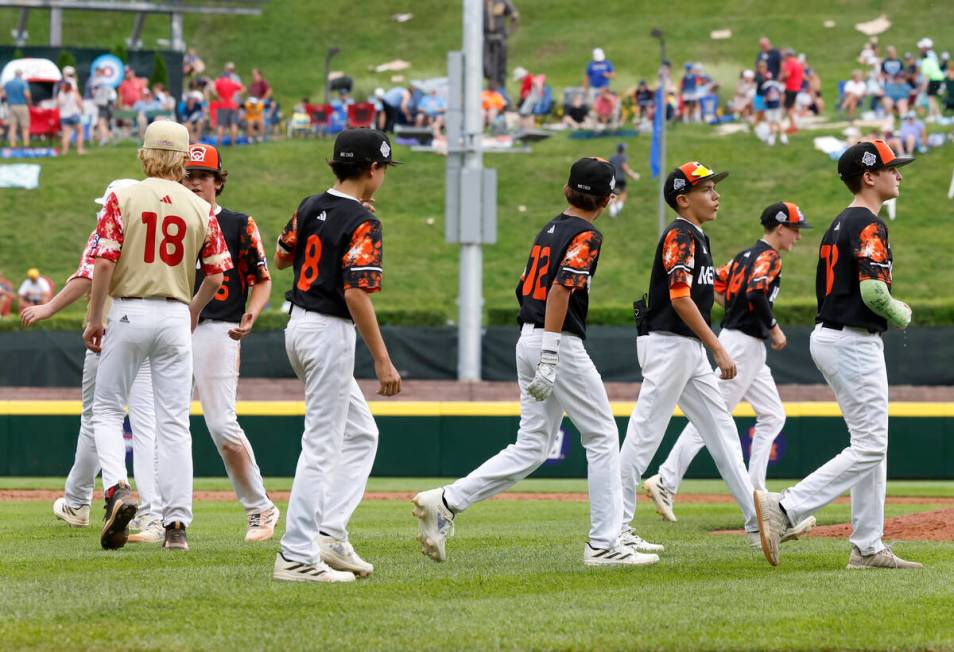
column 35, row 291
column 857, row 88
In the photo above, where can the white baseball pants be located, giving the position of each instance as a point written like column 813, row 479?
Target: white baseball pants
column 579, row 391
column 159, row 331
column 142, row 418
column 215, row 358
column 754, row 384
column 852, row 362
column 340, row 437
column 676, row 371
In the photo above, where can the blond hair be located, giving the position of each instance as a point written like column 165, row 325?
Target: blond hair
column 163, row 163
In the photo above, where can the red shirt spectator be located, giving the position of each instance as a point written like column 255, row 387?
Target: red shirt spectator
column 793, row 72
column 131, row 88
column 226, row 88
column 259, row 87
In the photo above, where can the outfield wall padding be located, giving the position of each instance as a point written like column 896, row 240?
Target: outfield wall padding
column 452, row 446
column 919, row 356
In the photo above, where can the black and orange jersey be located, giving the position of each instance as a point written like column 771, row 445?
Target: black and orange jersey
column 854, row 248
column 565, row 252
column 335, row 245
column 757, row 269
column 683, row 260
column 250, row 267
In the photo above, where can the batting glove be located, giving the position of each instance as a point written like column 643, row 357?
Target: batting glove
column 541, row 386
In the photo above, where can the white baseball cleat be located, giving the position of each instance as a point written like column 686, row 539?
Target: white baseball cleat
column 773, row 523
column 296, row 571
column 74, row 516
column 340, row 555
column 791, row 534
column 261, row 525
column 151, row 532
column 618, row 555
column 884, row 558
column 435, row 523
column 632, row 540
column 661, row 496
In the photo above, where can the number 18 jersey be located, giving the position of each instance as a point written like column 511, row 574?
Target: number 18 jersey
column 155, row 231
column 565, row 252
column 335, row 245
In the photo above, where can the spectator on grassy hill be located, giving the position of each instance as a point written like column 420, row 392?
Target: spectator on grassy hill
column 575, row 113
column 773, row 93
column 17, row 93
column 430, row 111
column 131, row 88
column 258, row 107
column 192, row 113
column 895, row 83
column 35, row 289
column 497, row 14
column 854, row 93
column 70, row 104
column 770, row 55
column 532, row 91
column 932, row 76
column 104, row 97
column 744, row 93
column 192, row 64
column 949, row 89
column 691, row 94
column 645, row 102
column 762, row 75
column 812, row 90
column 606, row 108
column 227, row 116
column 793, row 74
column 396, row 107
column 599, row 72
column 69, row 77
column 912, row 134
column 492, row 103
column 869, row 55
column 146, row 110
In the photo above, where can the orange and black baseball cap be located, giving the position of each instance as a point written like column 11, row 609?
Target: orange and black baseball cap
column 784, row 212
column 686, row 177
column 204, row 158
column 868, row 157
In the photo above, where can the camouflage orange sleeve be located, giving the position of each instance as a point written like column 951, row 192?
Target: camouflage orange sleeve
column 871, row 252
column 678, row 258
column 576, row 269
column 252, row 264
column 764, row 271
column 215, row 256
column 722, row 278
column 87, row 260
column 361, row 264
column 288, row 240
column 110, row 231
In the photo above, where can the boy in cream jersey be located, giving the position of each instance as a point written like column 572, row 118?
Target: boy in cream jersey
column 150, row 235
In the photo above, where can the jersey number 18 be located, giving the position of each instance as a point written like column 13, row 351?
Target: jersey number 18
column 171, row 249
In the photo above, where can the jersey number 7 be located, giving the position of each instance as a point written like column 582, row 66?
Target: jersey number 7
column 829, row 253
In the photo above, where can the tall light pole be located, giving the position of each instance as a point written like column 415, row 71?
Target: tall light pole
column 661, row 110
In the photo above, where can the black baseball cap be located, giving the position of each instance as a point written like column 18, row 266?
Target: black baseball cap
column 592, row 176
column 686, row 177
column 784, row 212
column 868, row 156
column 362, row 145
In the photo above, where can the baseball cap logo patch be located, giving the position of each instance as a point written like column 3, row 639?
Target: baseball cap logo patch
column 701, row 171
column 781, row 216
column 197, row 154
column 613, row 183
column 385, row 149
column 869, row 159
column 678, row 183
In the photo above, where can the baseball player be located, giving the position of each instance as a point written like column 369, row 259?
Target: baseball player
column 747, row 287
column 73, row 507
column 673, row 335
column 333, row 242
column 555, row 375
column 855, row 306
column 216, row 341
column 150, row 236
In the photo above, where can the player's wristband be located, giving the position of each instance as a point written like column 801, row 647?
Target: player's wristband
column 551, row 342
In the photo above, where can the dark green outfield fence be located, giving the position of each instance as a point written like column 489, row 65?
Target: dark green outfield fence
column 921, row 447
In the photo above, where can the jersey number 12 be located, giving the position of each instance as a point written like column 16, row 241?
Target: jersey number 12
column 533, row 282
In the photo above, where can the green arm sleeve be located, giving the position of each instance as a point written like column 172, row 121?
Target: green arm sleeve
column 876, row 296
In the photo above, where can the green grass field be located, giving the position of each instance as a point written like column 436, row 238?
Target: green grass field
column 514, row 580
column 48, row 228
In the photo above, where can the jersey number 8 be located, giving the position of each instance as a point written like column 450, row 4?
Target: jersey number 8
column 171, row 249
column 309, row 267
